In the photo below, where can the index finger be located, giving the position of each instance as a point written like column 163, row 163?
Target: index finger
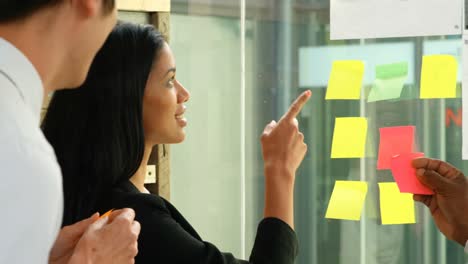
column 431, row 164
column 297, row 105
column 420, row 163
column 443, row 168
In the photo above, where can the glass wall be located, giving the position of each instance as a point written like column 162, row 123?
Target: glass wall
column 243, row 67
column 206, row 167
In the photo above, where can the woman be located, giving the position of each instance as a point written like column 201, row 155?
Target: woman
column 103, row 134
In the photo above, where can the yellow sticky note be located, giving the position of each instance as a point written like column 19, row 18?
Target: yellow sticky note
column 395, row 207
column 347, row 200
column 438, row 77
column 349, row 138
column 345, row 80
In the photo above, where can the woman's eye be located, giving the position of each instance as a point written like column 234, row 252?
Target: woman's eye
column 171, row 83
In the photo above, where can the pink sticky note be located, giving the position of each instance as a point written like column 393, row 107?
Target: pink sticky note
column 394, row 141
column 405, row 174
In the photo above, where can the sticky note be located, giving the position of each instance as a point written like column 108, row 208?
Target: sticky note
column 439, row 77
column 389, row 82
column 395, row 207
column 347, row 200
column 394, row 141
column 349, row 137
column 345, row 80
column 405, row 175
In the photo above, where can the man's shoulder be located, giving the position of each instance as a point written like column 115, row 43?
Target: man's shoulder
column 24, row 149
column 23, row 140
column 28, row 164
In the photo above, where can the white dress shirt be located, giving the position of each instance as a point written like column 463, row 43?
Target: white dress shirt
column 31, row 195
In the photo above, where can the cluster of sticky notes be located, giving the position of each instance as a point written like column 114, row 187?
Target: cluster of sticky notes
column 349, row 137
column 396, row 153
column 397, row 144
column 348, row 198
column 438, row 79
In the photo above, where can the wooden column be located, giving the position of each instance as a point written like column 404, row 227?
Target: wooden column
column 144, row 5
column 160, row 157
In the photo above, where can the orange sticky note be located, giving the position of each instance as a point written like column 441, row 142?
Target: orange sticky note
column 439, row 77
column 395, row 207
column 345, row 80
column 347, row 200
column 107, row 214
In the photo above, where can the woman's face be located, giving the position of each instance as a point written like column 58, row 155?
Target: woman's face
column 163, row 102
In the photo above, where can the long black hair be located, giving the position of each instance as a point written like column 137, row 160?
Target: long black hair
column 97, row 130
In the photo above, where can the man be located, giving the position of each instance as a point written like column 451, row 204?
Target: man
column 449, row 204
column 46, row 45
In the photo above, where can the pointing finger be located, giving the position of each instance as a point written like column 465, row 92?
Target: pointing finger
column 297, row 105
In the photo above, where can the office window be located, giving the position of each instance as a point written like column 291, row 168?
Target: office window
column 287, row 49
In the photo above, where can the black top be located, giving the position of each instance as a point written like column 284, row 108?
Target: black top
column 166, row 237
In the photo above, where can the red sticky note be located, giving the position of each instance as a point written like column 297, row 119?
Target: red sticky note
column 405, row 174
column 394, row 141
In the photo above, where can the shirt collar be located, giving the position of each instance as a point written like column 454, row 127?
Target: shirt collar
column 23, row 75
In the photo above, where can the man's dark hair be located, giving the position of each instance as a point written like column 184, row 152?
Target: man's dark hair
column 11, row 10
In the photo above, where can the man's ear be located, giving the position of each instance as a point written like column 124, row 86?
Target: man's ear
column 87, row 8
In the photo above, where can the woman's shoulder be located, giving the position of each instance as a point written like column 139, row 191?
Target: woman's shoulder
column 150, row 209
column 126, row 195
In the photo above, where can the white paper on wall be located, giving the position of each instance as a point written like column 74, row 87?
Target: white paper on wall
column 361, row 19
column 465, row 84
column 465, row 99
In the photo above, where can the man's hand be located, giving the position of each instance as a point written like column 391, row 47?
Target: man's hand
column 67, row 239
column 449, row 204
column 111, row 239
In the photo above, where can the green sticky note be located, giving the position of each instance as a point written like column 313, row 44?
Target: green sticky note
column 345, row 80
column 389, row 82
column 439, row 77
column 349, row 138
column 347, row 200
column 395, row 207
